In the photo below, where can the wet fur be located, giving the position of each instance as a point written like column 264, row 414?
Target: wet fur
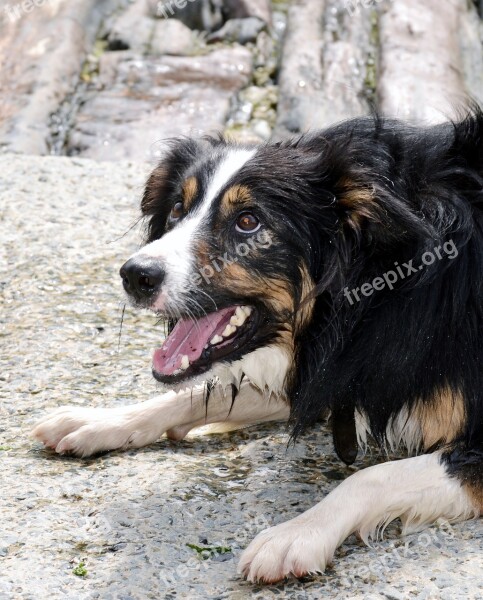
column 343, row 206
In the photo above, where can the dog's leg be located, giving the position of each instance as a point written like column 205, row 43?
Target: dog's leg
column 418, row 490
column 86, row 431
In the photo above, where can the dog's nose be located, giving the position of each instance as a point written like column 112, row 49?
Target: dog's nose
column 141, row 277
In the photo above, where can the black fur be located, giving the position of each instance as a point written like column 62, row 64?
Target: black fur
column 348, row 203
column 399, row 346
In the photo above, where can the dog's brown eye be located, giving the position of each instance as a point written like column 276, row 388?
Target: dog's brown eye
column 247, row 223
column 177, row 211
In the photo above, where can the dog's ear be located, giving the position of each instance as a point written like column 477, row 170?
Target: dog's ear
column 332, row 165
column 170, row 173
column 357, row 202
column 181, row 154
column 155, row 188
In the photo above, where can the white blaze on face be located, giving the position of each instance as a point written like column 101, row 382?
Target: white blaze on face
column 175, row 249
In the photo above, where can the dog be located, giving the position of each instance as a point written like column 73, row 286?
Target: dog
column 340, row 272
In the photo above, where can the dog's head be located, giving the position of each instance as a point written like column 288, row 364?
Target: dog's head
column 237, row 238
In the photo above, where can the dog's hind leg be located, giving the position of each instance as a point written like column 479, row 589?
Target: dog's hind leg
column 87, row 431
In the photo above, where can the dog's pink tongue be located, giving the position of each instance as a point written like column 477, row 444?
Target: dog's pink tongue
column 189, row 338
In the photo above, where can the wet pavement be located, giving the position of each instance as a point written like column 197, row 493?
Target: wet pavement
column 118, row 526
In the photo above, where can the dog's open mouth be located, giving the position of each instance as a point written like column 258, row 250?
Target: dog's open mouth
column 194, row 345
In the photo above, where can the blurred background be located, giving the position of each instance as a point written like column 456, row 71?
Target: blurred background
column 110, row 79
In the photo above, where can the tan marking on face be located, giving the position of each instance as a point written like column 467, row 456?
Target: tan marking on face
column 276, row 296
column 235, row 197
column 275, row 291
column 190, row 190
column 442, row 420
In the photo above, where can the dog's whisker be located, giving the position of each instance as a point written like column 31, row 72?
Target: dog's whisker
column 120, row 329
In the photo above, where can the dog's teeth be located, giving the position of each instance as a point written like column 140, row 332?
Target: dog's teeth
column 240, row 313
column 247, row 310
column 229, row 329
column 239, row 317
column 216, row 340
column 185, row 362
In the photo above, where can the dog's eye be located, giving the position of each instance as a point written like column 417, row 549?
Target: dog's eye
column 177, row 211
column 247, row 223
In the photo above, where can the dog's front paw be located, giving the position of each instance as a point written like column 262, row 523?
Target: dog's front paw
column 85, row 431
column 295, row 548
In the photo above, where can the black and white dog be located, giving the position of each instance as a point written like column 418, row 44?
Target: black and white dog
column 341, row 272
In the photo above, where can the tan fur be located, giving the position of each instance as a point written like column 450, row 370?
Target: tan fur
column 307, row 301
column 475, row 493
column 442, row 420
column 236, row 195
column 275, row 291
column 357, row 200
column 190, row 190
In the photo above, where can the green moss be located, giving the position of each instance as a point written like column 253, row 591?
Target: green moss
column 281, row 5
column 100, row 47
column 80, row 570
column 205, row 552
column 90, row 68
column 370, row 80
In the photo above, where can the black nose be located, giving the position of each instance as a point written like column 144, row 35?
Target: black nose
column 141, row 277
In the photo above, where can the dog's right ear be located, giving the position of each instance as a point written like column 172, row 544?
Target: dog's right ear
column 181, row 153
column 154, row 189
column 164, row 186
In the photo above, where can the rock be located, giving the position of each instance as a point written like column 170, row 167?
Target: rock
column 421, row 69
column 254, row 118
column 239, row 9
column 203, row 15
column 145, row 100
column 41, row 56
column 322, row 76
column 471, row 37
column 133, row 29
column 238, row 30
column 172, row 37
column 262, row 129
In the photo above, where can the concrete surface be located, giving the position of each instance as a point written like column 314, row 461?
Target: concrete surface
column 128, row 517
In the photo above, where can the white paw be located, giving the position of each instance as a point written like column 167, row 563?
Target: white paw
column 296, row 548
column 87, row 431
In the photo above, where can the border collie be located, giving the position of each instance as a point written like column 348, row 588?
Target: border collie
column 341, row 273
